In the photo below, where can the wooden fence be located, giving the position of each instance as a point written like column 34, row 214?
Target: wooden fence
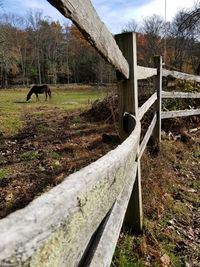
column 180, row 113
column 78, row 222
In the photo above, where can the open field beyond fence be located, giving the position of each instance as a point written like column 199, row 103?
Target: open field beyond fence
column 13, row 105
column 43, row 142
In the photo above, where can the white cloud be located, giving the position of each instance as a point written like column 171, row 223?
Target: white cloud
column 158, row 7
column 115, row 18
column 114, row 13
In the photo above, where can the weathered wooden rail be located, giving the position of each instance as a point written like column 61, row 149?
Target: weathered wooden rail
column 181, row 75
column 78, row 222
column 56, row 228
column 173, row 94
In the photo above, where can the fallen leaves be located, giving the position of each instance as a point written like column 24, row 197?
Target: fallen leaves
column 165, row 261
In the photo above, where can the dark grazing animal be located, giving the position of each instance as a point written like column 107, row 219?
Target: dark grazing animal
column 39, row 89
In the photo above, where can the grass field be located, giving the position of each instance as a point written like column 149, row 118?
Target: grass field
column 13, row 104
column 43, row 142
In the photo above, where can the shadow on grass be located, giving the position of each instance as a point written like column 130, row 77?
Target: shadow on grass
column 21, row 102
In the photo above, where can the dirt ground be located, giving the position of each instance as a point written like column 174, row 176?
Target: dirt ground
column 44, row 152
column 54, row 144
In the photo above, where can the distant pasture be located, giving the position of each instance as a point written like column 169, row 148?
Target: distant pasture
column 13, row 104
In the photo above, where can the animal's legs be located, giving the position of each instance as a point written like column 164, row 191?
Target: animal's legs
column 49, row 93
column 37, row 98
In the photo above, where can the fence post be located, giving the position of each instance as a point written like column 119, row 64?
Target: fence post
column 158, row 87
column 128, row 93
column 128, row 102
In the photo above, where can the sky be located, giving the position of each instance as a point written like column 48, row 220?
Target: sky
column 114, row 13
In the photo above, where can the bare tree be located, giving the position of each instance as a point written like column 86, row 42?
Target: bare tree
column 192, row 18
column 131, row 26
column 190, row 26
column 153, row 30
column 33, row 22
column 184, row 43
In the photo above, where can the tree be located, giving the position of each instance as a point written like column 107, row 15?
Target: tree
column 33, row 24
column 191, row 22
column 191, row 19
column 50, row 50
column 85, row 63
column 131, row 26
column 9, row 53
column 185, row 43
column 153, row 30
column 178, row 41
column 35, row 49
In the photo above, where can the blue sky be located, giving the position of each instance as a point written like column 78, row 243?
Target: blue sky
column 114, row 13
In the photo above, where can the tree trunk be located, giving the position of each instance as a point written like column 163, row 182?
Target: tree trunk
column 39, row 69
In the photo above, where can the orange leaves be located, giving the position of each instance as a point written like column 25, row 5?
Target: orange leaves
column 77, row 37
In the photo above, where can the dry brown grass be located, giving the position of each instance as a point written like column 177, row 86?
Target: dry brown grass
column 170, row 186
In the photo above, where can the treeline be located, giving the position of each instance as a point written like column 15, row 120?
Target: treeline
column 177, row 41
column 36, row 49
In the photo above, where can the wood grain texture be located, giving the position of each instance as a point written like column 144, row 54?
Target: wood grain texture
column 128, row 92
column 84, row 16
column 174, row 94
column 128, row 102
column 103, row 252
column 180, row 113
column 144, row 72
column 147, row 136
column 134, row 214
column 55, row 229
column 145, row 107
column 180, row 75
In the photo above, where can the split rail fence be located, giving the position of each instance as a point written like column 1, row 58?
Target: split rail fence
column 78, row 222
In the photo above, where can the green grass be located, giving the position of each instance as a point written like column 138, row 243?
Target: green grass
column 3, row 173
column 29, row 155
column 54, row 155
column 197, row 153
column 13, row 104
column 124, row 253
